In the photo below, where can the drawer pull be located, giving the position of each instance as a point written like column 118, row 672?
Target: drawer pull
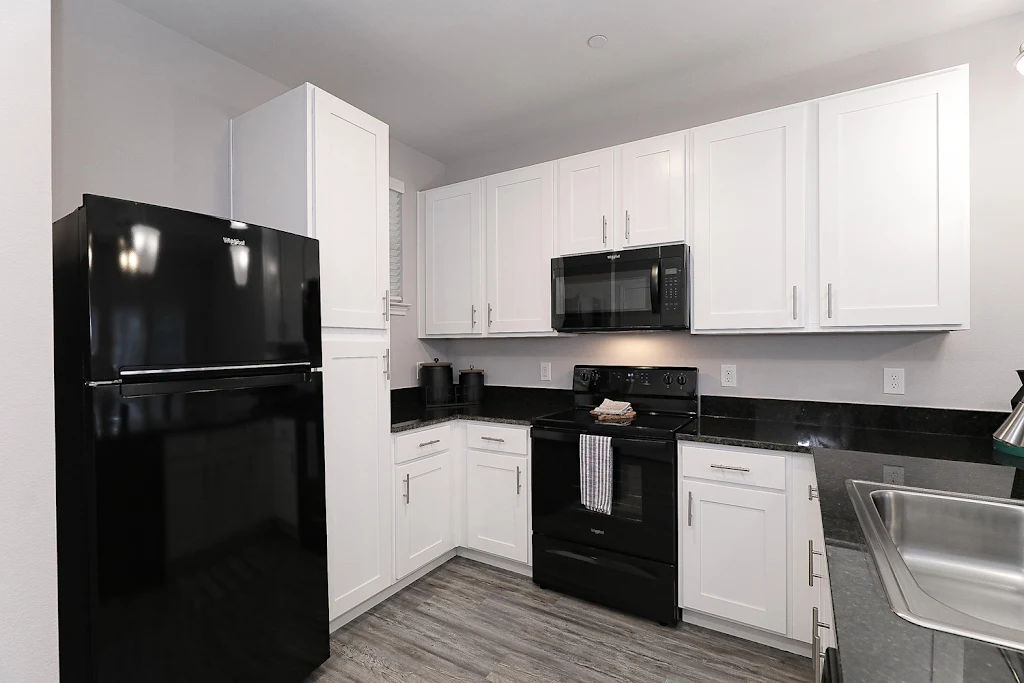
column 492, row 438
column 430, row 443
column 731, row 468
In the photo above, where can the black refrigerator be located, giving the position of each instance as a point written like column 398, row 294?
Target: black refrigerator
column 191, row 524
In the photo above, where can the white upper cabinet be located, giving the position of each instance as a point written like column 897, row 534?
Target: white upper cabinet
column 653, row 191
column 357, row 441
column 308, row 163
column 519, row 234
column 749, row 194
column 350, row 175
column 895, row 204
column 586, row 207
column 451, row 257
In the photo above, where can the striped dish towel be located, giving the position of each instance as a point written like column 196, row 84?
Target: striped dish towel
column 596, row 473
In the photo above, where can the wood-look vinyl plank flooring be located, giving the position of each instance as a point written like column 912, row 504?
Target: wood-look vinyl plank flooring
column 467, row 622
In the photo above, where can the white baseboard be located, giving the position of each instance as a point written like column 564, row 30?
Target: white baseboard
column 370, row 603
column 495, row 561
column 756, row 635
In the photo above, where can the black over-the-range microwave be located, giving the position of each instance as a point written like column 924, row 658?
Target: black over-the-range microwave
column 637, row 289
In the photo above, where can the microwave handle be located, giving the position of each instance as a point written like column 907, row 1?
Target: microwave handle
column 656, row 287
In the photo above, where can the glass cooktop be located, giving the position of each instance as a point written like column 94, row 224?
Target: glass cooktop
column 645, row 424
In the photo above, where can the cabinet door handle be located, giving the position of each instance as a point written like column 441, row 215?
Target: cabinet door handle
column 829, row 296
column 429, row 443
column 491, row 438
column 489, row 311
column 472, row 316
column 627, row 225
column 604, row 230
column 812, row 492
column 387, row 305
column 731, row 468
column 387, row 364
column 689, row 508
column 817, row 656
column 408, row 497
column 519, row 484
column 794, row 302
column 811, row 552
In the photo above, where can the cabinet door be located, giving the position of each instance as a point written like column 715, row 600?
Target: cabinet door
column 734, row 554
column 749, row 180
column 350, row 205
column 496, row 505
column 520, row 237
column 654, row 191
column 894, row 203
column 452, row 258
column 357, row 440
column 586, row 187
column 424, row 516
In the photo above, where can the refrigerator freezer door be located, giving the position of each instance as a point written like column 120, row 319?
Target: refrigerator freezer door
column 169, row 289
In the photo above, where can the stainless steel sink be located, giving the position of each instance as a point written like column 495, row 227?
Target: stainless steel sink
column 950, row 562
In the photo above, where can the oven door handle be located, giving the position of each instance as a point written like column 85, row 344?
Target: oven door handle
column 656, row 287
column 643, row 449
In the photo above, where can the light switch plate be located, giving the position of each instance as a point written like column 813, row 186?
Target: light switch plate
column 545, row 372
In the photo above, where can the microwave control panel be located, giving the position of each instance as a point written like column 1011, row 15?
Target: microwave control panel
column 672, row 277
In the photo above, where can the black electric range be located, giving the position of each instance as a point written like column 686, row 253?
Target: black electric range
column 627, row 559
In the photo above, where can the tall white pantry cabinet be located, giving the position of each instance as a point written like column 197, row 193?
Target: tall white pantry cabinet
column 309, row 163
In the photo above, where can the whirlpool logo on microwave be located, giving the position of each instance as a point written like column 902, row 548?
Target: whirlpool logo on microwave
column 233, row 241
column 599, row 532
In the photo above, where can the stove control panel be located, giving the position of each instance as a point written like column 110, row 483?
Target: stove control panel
column 635, row 381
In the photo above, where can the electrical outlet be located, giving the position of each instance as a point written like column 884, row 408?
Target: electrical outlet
column 545, row 372
column 892, row 474
column 728, row 375
column 893, row 381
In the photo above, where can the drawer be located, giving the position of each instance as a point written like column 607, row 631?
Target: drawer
column 500, row 439
column 423, row 442
column 733, row 466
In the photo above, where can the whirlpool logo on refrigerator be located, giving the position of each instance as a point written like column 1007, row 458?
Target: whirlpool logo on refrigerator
column 233, row 241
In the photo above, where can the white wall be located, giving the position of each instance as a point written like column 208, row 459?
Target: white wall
column 418, row 172
column 142, row 112
column 28, row 542
column 968, row 369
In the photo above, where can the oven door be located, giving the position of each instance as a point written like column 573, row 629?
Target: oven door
column 643, row 518
column 606, row 291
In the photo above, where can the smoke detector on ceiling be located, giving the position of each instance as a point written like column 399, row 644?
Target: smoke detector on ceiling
column 598, row 41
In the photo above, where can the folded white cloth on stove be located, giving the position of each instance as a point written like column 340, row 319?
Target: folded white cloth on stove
column 610, row 407
column 596, row 473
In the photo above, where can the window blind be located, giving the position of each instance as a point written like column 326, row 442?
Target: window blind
column 395, row 219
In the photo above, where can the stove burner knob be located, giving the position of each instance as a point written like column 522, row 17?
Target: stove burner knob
column 667, row 378
column 585, row 376
column 681, row 379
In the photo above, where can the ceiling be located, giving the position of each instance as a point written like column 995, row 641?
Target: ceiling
column 457, row 78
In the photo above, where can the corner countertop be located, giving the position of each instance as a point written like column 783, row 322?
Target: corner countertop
column 874, row 643
column 504, row 405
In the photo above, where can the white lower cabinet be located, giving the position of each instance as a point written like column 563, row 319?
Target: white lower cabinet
column 734, row 554
column 497, row 504
column 357, row 448
column 423, row 512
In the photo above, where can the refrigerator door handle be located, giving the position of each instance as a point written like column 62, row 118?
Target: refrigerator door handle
column 213, row 368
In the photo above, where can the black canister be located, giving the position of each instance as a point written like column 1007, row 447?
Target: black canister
column 436, row 383
column 471, row 385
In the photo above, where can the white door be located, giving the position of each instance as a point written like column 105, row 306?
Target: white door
column 350, row 205
column 357, row 443
column 654, row 191
column 749, row 191
column 423, row 520
column 586, row 211
column 734, row 554
column 452, row 256
column 895, row 203
column 496, row 504
column 520, row 236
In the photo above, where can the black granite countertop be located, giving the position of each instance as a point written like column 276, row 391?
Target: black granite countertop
column 506, row 405
column 874, row 643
